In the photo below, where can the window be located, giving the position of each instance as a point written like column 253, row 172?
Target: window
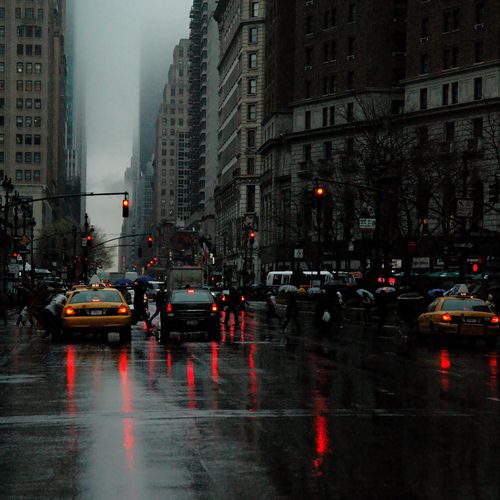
column 29, row 68
column 252, row 60
column 28, row 139
column 19, row 103
column 454, row 93
column 37, row 157
column 40, row 14
column 332, row 86
column 38, row 86
column 445, row 91
column 38, row 50
column 2, row 138
column 250, row 198
column 252, row 112
column 2, row 85
column 18, row 13
column 38, row 103
column 251, row 135
column 29, row 13
column 307, row 152
column 326, row 52
column 38, row 31
column 253, row 35
column 36, row 175
column 479, row 51
column 38, row 67
column 478, row 88
column 451, row 20
column 251, row 166
column 19, row 157
column 352, row 13
column 424, row 63
column 37, row 140
column 423, row 98
column 422, row 135
column 20, row 67
column 449, row 131
column 332, row 115
column 254, row 9
column 28, row 157
column 252, row 86
column 480, row 13
column 326, row 19
column 309, row 56
column 29, row 50
column 28, row 85
column 2, row 31
column 20, row 49
column 454, row 57
column 27, row 175
column 28, row 103
column 325, row 117
column 308, row 87
column 19, row 121
column 2, row 159
column 19, row 175
column 350, row 80
column 477, row 127
column 424, row 27
column 350, row 111
column 350, row 46
column 19, row 138
column 327, row 150
column 28, row 121
column 307, row 120
column 309, row 25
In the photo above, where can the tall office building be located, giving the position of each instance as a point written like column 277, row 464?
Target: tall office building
column 203, row 113
column 241, row 85
column 32, row 100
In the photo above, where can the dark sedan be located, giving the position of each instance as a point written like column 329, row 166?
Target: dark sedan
column 190, row 310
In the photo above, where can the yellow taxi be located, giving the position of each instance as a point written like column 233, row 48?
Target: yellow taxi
column 96, row 309
column 460, row 315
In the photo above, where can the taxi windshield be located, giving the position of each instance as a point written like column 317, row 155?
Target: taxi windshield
column 96, row 296
column 465, row 305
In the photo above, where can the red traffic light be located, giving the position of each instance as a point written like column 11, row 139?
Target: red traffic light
column 125, row 207
column 150, row 241
column 475, row 268
column 319, row 191
column 252, row 235
column 89, row 237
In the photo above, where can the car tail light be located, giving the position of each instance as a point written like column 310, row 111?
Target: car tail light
column 242, row 298
column 214, row 308
column 446, row 317
column 223, row 298
column 495, row 319
column 190, row 291
column 169, row 308
column 123, row 310
column 69, row 311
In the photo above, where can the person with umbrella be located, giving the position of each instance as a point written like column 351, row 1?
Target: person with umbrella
column 382, row 298
column 139, row 305
column 367, row 300
column 291, row 311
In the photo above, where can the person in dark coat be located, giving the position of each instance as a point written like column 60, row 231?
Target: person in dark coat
column 291, row 312
column 233, row 305
column 140, row 311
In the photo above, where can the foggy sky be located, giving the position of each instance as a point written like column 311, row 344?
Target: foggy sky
column 109, row 36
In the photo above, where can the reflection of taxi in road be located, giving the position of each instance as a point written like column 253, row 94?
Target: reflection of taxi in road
column 460, row 316
column 96, row 309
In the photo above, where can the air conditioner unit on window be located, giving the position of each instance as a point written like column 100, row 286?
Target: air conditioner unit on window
column 307, row 68
column 479, row 26
column 424, row 39
column 351, row 57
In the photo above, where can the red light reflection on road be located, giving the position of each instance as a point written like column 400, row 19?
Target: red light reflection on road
column 191, row 384
column 321, row 433
column 215, row 363
column 169, row 364
column 128, row 423
column 71, row 379
column 493, row 374
column 253, row 390
column 445, row 364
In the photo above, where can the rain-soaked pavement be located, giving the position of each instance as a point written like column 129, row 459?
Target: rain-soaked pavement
column 257, row 415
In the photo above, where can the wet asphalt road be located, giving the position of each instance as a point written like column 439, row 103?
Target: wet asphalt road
column 258, row 415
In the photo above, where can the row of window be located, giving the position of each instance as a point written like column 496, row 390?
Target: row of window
column 28, row 157
column 24, row 67
column 24, row 31
column 29, row 13
column 330, row 51
column 25, row 85
column 330, row 18
column 451, row 57
column 28, row 49
column 449, row 93
column 28, row 121
column 451, row 20
column 29, row 175
column 28, row 103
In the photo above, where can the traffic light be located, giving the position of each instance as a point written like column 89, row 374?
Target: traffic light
column 89, row 240
column 125, row 207
column 251, row 237
column 150, row 241
column 319, row 192
column 494, row 191
column 476, row 267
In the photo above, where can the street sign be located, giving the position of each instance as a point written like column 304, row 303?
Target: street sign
column 298, row 253
column 465, row 207
column 24, row 241
column 367, row 223
column 421, row 262
column 463, row 245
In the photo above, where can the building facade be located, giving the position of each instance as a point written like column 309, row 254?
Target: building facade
column 32, row 98
column 241, row 86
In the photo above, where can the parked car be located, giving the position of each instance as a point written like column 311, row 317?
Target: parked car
column 460, row 316
column 190, row 310
column 96, row 309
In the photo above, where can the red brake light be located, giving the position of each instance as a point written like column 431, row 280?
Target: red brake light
column 223, row 298
column 96, row 300
column 242, row 298
column 495, row 319
column 69, row 311
column 123, row 310
column 214, row 308
column 190, row 290
column 169, row 308
column 446, row 317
